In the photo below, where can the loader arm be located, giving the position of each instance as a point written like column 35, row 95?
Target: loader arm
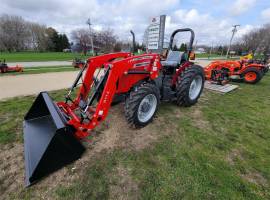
column 144, row 66
column 91, row 65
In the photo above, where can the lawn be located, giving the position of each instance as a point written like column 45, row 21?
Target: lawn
column 60, row 56
column 218, row 149
column 215, row 56
column 38, row 56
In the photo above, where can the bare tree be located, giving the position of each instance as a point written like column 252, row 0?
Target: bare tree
column 103, row 40
column 13, row 32
column 82, row 38
column 38, row 37
column 258, row 40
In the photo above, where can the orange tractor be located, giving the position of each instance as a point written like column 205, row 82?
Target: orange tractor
column 53, row 130
column 4, row 68
column 250, row 71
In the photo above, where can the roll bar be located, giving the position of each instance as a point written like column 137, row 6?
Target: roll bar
column 189, row 48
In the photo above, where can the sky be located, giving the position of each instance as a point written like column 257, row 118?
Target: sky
column 211, row 20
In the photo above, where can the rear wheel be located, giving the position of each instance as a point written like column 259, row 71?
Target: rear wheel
column 190, row 85
column 252, row 75
column 141, row 105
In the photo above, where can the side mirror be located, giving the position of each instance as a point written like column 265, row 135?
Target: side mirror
column 192, row 56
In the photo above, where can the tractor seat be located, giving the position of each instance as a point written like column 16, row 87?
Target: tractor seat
column 174, row 58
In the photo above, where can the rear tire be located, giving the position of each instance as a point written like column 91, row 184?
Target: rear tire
column 141, row 105
column 252, row 75
column 190, row 86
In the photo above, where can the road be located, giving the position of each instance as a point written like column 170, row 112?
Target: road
column 30, row 84
column 41, row 63
column 202, row 61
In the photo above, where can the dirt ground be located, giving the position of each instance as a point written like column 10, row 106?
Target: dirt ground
column 113, row 133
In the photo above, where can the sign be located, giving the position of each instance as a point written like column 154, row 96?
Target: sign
column 155, row 36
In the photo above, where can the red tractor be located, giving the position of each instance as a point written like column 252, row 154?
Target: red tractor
column 53, row 130
column 4, row 68
column 250, row 71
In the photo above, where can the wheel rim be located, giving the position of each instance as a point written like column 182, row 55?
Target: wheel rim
column 250, row 76
column 195, row 87
column 147, row 108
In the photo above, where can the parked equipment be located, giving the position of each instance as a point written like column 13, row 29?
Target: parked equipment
column 4, row 68
column 78, row 63
column 53, row 130
column 250, row 71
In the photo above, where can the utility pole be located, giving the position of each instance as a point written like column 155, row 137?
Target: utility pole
column 91, row 36
column 233, row 33
column 195, row 46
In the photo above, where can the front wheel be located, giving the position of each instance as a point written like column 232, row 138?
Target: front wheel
column 141, row 105
column 190, row 85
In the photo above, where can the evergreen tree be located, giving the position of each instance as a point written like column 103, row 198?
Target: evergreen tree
column 57, row 42
column 65, row 42
column 183, row 47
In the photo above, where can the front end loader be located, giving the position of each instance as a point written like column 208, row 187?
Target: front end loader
column 53, row 131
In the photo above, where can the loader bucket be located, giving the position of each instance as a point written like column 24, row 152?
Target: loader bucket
column 49, row 143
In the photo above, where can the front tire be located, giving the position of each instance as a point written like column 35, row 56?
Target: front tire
column 190, row 86
column 141, row 105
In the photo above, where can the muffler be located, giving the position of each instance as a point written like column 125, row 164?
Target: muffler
column 49, row 143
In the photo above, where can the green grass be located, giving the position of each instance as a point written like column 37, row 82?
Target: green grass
column 39, row 70
column 38, row 56
column 12, row 113
column 218, row 149
column 205, row 55
column 216, row 56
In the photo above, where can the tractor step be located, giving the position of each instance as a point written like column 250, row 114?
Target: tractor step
column 49, row 144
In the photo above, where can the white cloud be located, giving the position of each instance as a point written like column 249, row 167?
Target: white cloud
column 265, row 14
column 207, row 29
column 121, row 15
column 241, row 6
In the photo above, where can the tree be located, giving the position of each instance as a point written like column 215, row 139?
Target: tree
column 183, row 47
column 38, row 39
column 117, row 47
column 257, row 41
column 13, row 33
column 65, row 42
column 105, row 40
column 58, row 42
column 82, row 38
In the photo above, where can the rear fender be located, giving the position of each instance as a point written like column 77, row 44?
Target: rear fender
column 180, row 70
